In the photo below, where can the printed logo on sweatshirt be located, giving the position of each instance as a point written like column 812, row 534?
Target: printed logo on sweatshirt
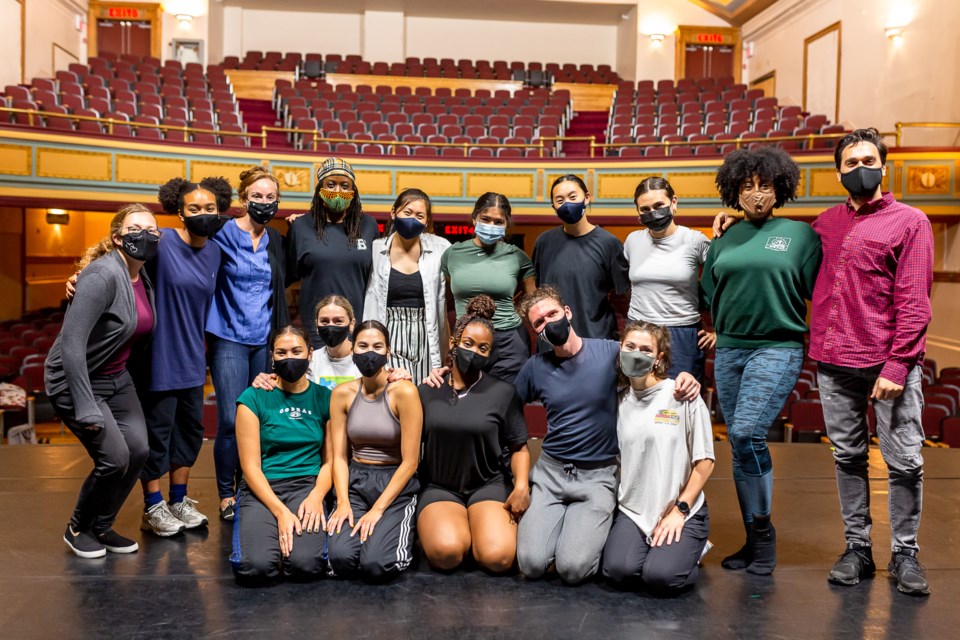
column 296, row 413
column 667, row 417
column 361, row 244
column 777, row 243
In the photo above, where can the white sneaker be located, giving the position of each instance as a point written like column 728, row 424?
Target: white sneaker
column 188, row 514
column 161, row 522
column 706, row 550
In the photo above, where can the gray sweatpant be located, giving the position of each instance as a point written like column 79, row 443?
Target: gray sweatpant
column 571, row 510
column 844, row 394
column 256, row 543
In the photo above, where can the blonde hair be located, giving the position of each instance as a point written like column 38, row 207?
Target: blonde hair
column 251, row 175
column 337, row 301
column 105, row 246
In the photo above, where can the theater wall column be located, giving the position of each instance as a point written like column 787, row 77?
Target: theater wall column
column 383, row 38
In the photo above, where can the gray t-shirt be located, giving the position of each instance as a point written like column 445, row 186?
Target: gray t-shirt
column 664, row 275
column 660, row 440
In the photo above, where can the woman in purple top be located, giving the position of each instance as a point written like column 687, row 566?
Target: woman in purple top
column 108, row 323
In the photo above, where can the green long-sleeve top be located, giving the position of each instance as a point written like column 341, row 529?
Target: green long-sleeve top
column 755, row 280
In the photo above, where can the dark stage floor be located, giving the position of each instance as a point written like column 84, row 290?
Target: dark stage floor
column 183, row 587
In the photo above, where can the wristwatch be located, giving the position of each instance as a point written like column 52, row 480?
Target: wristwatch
column 682, row 507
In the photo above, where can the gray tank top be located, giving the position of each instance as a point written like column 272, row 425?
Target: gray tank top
column 373, row 430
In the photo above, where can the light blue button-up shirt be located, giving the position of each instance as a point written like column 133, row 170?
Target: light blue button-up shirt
column 241, row 305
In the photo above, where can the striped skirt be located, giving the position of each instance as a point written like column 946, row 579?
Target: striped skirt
column 409, row 347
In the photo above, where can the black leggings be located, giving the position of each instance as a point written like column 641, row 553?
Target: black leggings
column 118, row 449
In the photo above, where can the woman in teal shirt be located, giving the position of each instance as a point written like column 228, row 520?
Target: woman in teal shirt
column 286, row 470
column 488, row 265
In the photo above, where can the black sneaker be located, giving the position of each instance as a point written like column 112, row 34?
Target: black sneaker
column 83, row 544
column 228, row 512
column 116, row 543
column 910, row 574
column 855, row 564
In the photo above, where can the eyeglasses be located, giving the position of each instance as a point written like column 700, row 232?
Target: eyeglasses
column 153, row 231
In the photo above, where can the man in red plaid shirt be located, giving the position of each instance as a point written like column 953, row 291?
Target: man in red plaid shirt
column 871, row 308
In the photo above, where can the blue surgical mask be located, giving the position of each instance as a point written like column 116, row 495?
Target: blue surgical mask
column 489, row 233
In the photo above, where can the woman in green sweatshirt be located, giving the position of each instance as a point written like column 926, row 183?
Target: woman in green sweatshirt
column 755, row 280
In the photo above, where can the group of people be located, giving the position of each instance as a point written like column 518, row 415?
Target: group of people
column 331, row 459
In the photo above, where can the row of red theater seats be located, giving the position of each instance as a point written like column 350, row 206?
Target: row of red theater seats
column 349, row 148
column 197, row 110
column 24, row 343
column 428, row 133
column 724, row 144
column 714, row 131
column 940, row 418
column 428, row 67
column 499, row 126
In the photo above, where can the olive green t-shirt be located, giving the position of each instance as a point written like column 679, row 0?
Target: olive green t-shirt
column 496, row 272
column 292, row 427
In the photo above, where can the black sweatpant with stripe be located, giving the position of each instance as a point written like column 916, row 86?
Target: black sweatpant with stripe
column 390, row 549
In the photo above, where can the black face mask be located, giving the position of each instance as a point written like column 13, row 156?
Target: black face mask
column 369, row 362
column 658, row 219
column 140, row 245
column 469, row 362
column 556, row 333
column 262, row 212
column 204, row 225
column 862, row 181
column 291, row 369
column 333, row 335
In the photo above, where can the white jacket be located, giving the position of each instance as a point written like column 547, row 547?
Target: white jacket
column 434, row 289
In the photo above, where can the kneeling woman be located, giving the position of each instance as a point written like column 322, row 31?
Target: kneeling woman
column 371, row 530
column 666, row 456
column 286, row 470
column 469, row 503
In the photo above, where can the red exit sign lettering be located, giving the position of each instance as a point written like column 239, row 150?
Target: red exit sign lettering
column 710, row 38
column 123, row 12
column 458, row 230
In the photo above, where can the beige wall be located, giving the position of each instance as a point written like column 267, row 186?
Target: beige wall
column 306, row 32
column 656, row 61
column 506, row 40
column 627, row 46
column 52, row 23
column 384, row 36
column 10, row 53
column 880, row 82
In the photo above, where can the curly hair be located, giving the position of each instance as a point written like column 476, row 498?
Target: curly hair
column 105, row 246
column 771, row 164
column 480, row 310
column 545, row 292
column 172, row 193
column 351, row 217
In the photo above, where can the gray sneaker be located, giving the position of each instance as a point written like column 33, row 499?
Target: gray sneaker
column 161, row 522
column 188, row 514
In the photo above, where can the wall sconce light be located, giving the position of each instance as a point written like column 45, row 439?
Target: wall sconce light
column 58, row 216
column 895, row 34
column 656, row 38
column 184, row 20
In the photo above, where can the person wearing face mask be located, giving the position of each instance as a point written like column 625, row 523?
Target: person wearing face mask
column 375, row 429
column 330, row 249
column 871, row 309
column 584, row 262
column 476, row 463
column 666, row 456
column 185, row 275
column 284, row 448
column 406, row 291
column 665, row 260
column 755, row 281
column 170, row 382
column 488, row 265
column 249, row 281
column 107, row 325
column 574, row 481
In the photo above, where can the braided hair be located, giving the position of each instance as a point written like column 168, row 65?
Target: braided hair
column 480, row 310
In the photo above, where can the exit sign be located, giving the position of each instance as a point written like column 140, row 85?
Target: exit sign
column 710, row 38
column 123, row 12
